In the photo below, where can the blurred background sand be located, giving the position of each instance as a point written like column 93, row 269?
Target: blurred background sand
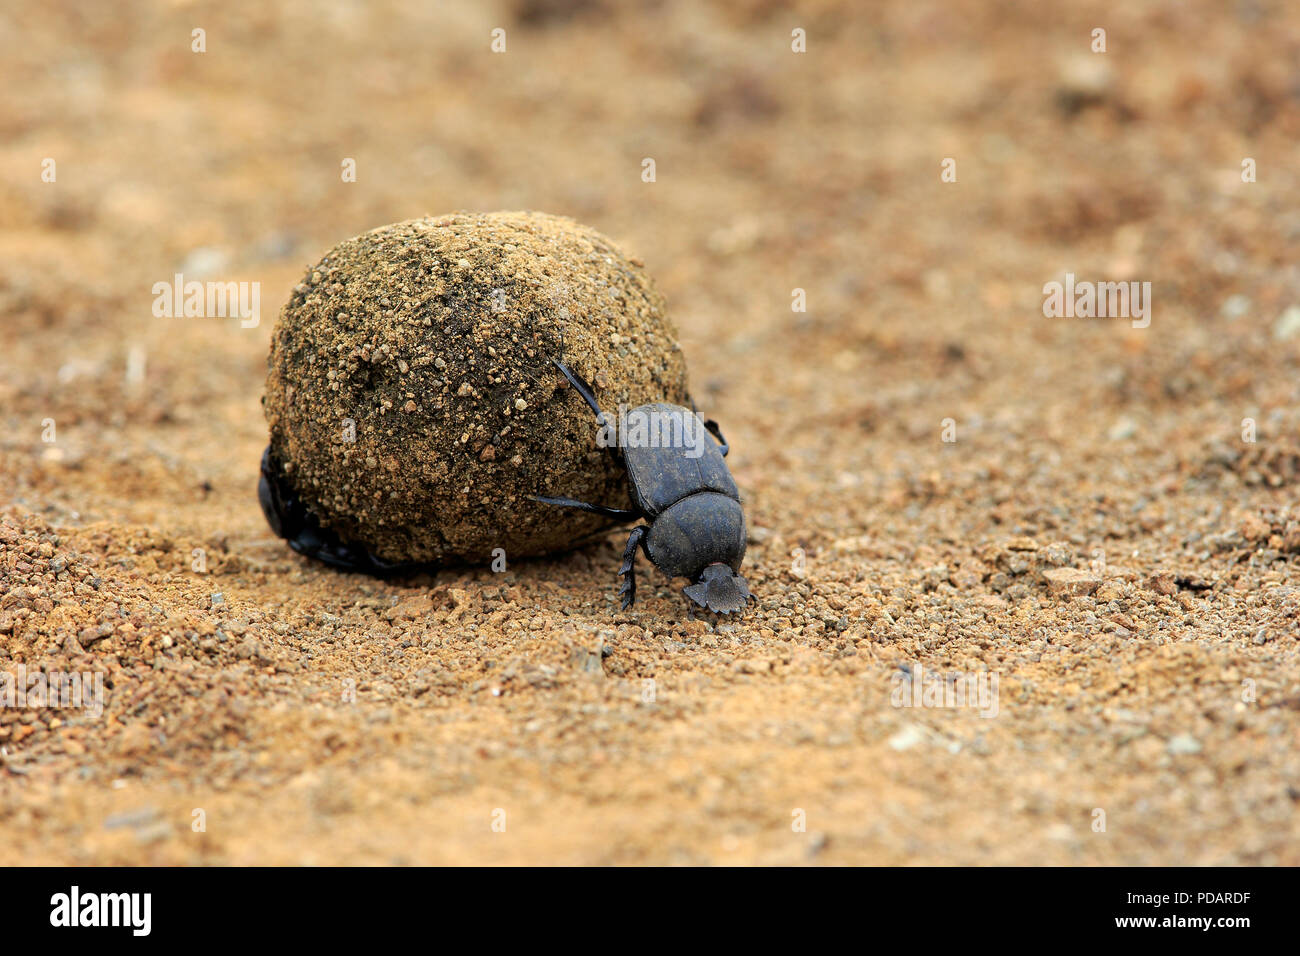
column 1099, row 535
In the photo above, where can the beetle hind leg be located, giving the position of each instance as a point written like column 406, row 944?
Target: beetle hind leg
column 622, row 514
column 628, row 571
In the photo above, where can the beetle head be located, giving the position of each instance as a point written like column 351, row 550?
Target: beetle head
column 719, row 589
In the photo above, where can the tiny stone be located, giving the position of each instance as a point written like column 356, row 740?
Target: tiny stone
column 1070, row 582
column 907, row 738
column 1123, row 429
column 1288, row 324
column 1234, row 307
column 1184, row 744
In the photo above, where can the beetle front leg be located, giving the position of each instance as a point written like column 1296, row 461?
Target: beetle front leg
column 712, row 427
column 581, row 387
column 628, row 572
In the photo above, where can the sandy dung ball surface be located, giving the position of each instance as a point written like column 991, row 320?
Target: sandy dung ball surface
column 411, row 395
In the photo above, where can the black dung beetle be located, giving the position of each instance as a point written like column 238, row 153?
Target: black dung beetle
column 684, row 490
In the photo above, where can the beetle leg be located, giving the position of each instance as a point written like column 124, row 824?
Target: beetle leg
column 716, row 432
column 622, row 514
column 582, row 388
column 712, row 428
column 628, row 571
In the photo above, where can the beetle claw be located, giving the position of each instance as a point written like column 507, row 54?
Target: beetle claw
column 628, row 570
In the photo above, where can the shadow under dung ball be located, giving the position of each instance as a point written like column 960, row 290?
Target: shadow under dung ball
column 413, row 404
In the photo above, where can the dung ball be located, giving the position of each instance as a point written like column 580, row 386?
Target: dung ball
column 412, row 400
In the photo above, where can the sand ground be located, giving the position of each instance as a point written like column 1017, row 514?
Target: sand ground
column 1102, row 536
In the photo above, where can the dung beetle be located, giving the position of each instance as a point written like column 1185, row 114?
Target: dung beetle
column 683, row 488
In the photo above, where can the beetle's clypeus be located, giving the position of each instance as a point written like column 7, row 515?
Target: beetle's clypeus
column 696, row 528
